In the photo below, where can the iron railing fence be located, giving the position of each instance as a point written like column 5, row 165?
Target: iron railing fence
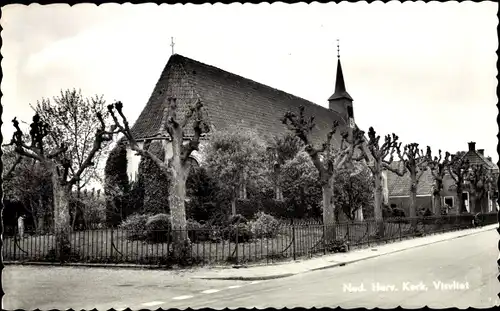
column 237, row 244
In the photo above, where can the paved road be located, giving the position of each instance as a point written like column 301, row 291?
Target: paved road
column 411, row 278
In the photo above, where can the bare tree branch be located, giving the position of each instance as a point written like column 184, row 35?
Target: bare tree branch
column 12, row 169
column 125, row 130
column 100, row 137
column 199, row 126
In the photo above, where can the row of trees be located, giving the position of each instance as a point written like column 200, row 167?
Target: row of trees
column 67, row 149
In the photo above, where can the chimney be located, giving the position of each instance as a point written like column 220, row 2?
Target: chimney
column 489, row 159
column 472, row 146
column 481, row 151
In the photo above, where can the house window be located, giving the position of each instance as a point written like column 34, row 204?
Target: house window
column 490, row 202
column 465, row 196
column 448, row 201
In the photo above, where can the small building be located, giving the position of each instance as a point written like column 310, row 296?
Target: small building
column 399, row 187
column 399, row 190
column 477, row 157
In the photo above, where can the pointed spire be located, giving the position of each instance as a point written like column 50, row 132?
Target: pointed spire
column 340, row 90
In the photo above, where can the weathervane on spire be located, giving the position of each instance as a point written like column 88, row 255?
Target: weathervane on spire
column 338, row 48
column 172, row 44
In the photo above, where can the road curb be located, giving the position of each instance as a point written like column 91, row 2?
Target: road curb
column 249, row 278
column 403, row 249
column 341, row 264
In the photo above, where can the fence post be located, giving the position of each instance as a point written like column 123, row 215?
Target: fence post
column 15, row 243
column 293, row 241
column 400, row 233
column 324, row 238
column 111, row 245
column 237, row 225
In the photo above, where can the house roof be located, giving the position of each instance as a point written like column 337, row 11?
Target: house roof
column 229, row 100
column 476, row 158
column 400, row 185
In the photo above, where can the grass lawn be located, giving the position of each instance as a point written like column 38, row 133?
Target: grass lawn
column 106, row 245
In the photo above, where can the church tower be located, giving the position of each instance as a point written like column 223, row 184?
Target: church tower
column 341, row 101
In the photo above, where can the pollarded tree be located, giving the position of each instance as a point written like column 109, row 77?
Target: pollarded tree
column 235, row 158
column 479, row 180
column 415, row 162
column 458, row 169
column 176, row 166
column 438, row 167
column 58, row 164
column 326, row 159
column 379, row 153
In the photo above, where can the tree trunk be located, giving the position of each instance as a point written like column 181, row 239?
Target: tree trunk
column 472, row 202
column 479, row 206
column 413, row 203
column 233, row 206
column 176, row 199
column 328, row 210
column 377, row 211
column 40, row 227
column 62, row 225
column 461, row 202
column 436, row 204
column 358, row 214
column 413, row 198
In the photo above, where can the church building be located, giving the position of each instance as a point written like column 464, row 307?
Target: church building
column 230, row 100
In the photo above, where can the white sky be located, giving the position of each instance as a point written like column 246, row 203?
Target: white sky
column 426, row 71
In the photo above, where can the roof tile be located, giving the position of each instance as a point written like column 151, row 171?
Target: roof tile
column 400, row 185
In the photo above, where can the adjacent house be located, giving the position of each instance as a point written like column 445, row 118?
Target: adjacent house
column 399, row 187
column 477, row 157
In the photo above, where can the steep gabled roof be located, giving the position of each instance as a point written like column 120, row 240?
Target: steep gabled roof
column 477, row 158
column 400, row 185
column 229, row 100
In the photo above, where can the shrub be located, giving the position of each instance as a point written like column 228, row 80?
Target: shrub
column 242, row 230
column 238, row 218
column 135, row 226
column 158, row 228
column 280, row 209
column 219, row 219
column 201, row 189
column 338, row 246
column 247, row 207
column 197, row 232
column 264, row 226
column 116, row 185
column 154, row 182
